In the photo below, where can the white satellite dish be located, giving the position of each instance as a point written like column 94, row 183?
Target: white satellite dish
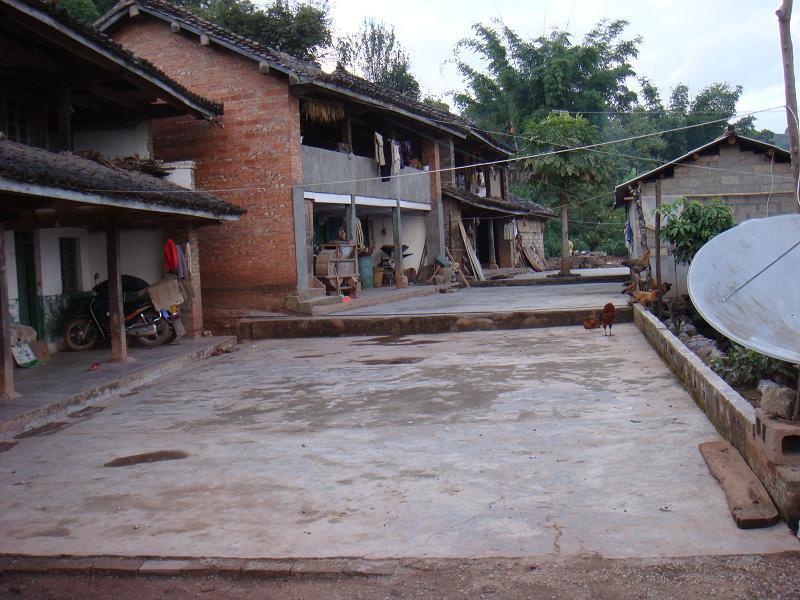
column 758, row 311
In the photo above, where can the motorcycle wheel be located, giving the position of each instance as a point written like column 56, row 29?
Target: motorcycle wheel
column 81, row 334
column 163, row 331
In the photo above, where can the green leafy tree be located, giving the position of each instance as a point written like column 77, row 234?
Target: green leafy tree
column 82, row 10
column 690, row 224
column 436, row 103
column 300, row 29
column 375, row 53
column 523, row 79
column 565, row 174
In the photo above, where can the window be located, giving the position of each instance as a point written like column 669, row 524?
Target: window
column 70, row 279
column 14, row 120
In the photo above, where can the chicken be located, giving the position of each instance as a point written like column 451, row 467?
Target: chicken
column 637, row 265
column 607, row 317
column 647, row 298
column 591, row 323
column 629, row 287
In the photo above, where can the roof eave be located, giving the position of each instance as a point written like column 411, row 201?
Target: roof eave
column 48, row 191
column 191, row 105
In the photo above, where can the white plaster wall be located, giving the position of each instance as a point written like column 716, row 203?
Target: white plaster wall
column 412, row 234
column 48, row 258
column 141, row 254
column 118, row 142
column 181, row 173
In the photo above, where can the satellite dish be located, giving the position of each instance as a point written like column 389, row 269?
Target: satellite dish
column 758, row 311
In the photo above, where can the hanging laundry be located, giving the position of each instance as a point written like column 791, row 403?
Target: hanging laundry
column 170, row 257
column 386, row 165
column 183, row 271
column 379, row 155
column 395, row 157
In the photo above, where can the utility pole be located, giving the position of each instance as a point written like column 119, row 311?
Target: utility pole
column 787, row 52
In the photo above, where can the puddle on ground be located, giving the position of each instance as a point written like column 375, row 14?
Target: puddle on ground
column 148, row 457
column 400, row 360
column 41, row 430
column 85, row 412
column 311, row 356
column 396, row 340
column 5, row 446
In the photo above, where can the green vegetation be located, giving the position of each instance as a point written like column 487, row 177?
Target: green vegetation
column 745, row 368
column 690, row 224
column 375, row 53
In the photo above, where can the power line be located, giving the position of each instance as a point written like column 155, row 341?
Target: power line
column 418, row 173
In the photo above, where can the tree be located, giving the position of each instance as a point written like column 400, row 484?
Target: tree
column 82, row 10
column 690, row 224
column 436, row 103
column 300, row 29
column 374, row 52
column 527, row 79
column 566, row 173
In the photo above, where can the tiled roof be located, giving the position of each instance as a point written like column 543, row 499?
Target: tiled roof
column 512, row 206
column 305, row 70
column 89, row 33
column 67, row 171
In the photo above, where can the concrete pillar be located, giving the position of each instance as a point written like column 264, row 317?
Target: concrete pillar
column 119, row 346
column 7, row 391
column 302, row 264
column 434, row 219
column 399, row 276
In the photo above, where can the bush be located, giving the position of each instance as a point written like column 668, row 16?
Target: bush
column 745, row 368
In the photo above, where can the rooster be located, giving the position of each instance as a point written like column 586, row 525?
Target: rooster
column 647, row 298
column 607, row 317
column 637, row 265
column 591, row 322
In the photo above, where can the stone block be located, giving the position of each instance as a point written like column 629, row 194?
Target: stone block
column 776, row 400
column 779, row 439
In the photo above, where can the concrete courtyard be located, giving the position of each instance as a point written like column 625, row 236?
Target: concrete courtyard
column 550, row 442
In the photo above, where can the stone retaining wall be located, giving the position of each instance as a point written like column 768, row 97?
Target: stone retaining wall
column 730, row 413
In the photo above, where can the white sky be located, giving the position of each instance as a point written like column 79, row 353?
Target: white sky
column 697, row 42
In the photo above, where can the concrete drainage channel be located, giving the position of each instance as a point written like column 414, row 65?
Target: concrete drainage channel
column 729, row 412
column 399, row 325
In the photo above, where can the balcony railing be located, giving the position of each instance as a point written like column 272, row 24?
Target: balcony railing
column 325, row 166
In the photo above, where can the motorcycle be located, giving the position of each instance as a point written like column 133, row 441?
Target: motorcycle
column 90, row 321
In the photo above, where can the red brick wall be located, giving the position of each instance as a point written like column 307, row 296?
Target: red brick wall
column 249, row 263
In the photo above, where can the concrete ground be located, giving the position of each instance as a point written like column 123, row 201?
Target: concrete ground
column 585, row 273
column 550, row 442
column 65, row 379
column 579, row 295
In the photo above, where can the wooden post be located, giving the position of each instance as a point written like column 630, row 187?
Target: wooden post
column 397, row 241
column 7, row 391
column 348, row 131
column 566, row 259
column 787, row 52
column 119, row 346
column 492, row 255
column 658, row 246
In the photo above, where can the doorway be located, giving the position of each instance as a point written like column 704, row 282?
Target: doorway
column 27, row 287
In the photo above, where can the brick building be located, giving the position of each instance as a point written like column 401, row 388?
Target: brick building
column 296, row 148
column 752, row 177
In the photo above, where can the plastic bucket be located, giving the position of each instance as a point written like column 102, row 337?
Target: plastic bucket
column 365, row 271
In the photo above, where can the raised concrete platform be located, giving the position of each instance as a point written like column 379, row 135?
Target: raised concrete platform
column 65, row 382
column 373, row 297
column 399, row 325
column 601, row 275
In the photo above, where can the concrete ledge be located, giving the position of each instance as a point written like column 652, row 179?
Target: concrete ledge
column 172, row 566
column 551, row 281
column 731, row 414
column 298, row 327
column 373, row 298
column 11, row 424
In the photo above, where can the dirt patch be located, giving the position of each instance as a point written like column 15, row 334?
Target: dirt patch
column 400, row 360
column 45, row 429
column 5, row 446
column 85, row 412
column 311, row 356
column 148, row 457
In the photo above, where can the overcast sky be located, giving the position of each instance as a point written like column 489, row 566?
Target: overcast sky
column 697, row 42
